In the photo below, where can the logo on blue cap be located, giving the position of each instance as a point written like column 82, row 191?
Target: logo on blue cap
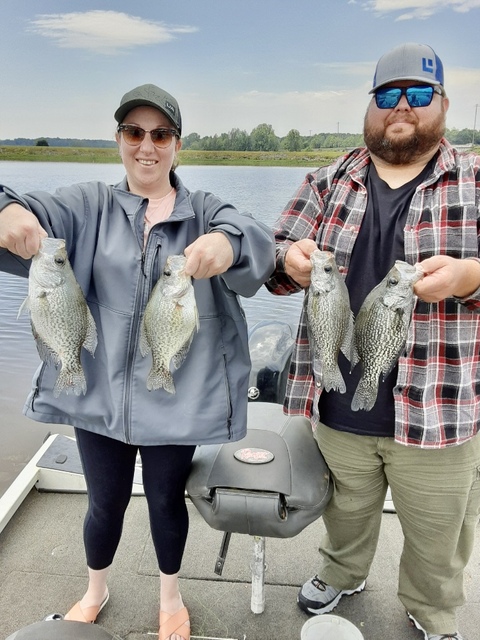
column 427, row 65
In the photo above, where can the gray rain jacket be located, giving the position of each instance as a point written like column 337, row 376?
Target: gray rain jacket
column 103, row 229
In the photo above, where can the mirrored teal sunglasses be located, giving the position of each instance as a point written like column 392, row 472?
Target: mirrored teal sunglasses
column 421, row 96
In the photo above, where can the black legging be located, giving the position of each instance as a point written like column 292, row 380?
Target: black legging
column 109, row 467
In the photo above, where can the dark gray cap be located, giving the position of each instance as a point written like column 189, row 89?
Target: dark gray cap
column 409, row 61
column 149, row 95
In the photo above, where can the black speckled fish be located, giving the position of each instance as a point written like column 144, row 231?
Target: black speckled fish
column 330, row 320
column 381, row 329
column 169, row 323
column 61, row 320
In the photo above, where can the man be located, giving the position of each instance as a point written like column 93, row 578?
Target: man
column 407, row 196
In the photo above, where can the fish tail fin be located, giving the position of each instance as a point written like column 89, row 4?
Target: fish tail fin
column 333, row 379
column 365, row 396
column 160, row 378
column 70, row 381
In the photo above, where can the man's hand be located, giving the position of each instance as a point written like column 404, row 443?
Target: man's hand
column 297, row 261
column 446, row 276
column 209, row 255
column 20, row 231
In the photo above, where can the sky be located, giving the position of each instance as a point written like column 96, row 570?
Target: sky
column 292, row 64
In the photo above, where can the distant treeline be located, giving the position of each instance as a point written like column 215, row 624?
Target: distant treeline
column 59, row 142
column 261, row 138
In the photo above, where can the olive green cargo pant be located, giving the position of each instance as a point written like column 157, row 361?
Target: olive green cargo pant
column 436, row 494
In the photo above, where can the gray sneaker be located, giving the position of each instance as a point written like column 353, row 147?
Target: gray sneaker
column 317, row 597
column 435, row 636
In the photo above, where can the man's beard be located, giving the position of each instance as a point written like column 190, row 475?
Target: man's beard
column 403, row 150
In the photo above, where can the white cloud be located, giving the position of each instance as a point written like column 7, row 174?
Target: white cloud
column 106, row 32
column 420, row 8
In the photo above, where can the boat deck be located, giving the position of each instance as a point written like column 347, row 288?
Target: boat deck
column 42, row 570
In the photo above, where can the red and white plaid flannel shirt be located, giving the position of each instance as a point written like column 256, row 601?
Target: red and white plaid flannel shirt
column 437, row 395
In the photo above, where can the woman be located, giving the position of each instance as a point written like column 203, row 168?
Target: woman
column 118, row 239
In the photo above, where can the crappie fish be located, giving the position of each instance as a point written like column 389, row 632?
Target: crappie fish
column 61, row 321
column 169, row 323
column 330, row 320
column 381, row 329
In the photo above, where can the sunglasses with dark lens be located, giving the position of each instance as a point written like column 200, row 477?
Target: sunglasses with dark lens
column 134, row 135
column 421, row 96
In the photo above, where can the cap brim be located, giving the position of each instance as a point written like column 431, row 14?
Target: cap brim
column 123, row 109
column 417, row 79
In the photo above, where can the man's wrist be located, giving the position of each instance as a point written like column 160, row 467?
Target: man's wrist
column 471, row 283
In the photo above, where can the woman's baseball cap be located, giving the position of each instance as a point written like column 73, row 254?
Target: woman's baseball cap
column 149, row 95
column 409, row 61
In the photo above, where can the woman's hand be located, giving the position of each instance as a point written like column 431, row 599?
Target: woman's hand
column 209, row 255
column 20, row 231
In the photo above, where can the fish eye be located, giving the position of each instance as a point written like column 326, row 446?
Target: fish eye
column 328, row 268
column 167, row 272
column 393, row 281
column 59, row 261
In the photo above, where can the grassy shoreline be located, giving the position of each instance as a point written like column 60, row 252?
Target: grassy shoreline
column 312, row 159
column 230, row 158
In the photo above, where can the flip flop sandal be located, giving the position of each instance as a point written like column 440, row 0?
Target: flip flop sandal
column 176, row 623
column 89, row 614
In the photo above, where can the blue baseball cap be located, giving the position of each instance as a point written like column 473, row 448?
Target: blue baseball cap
column 409, row 61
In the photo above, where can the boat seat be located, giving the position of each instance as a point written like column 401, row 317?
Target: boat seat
column 273, row 483
column 62, row 630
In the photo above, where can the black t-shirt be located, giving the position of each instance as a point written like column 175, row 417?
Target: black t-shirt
column 379, row 243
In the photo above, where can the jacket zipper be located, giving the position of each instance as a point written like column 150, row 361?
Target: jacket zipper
column 143, row 281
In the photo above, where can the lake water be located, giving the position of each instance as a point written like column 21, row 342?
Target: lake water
column 263, row 191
